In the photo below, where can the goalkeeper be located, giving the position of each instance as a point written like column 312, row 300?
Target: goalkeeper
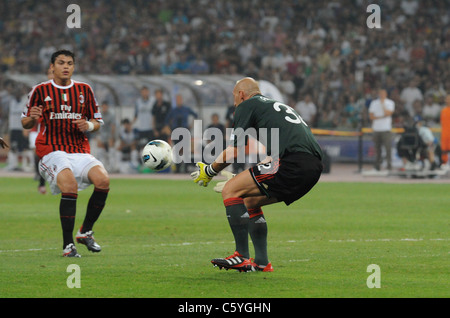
column 284, row 176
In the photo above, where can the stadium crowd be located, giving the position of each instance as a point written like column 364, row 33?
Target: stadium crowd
column 321, row 54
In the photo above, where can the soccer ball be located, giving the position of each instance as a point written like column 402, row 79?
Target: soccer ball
column 157, row 155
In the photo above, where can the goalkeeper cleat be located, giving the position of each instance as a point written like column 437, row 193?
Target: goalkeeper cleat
column 70, row 251
column 235, row 261
column 267, row 268
column 88, row 240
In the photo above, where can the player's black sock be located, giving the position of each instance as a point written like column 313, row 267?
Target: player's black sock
column 94, row 208
column 67, row 211
column 238, row 219
column 258, row 233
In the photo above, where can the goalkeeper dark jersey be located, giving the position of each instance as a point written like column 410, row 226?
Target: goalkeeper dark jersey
column 270, row 118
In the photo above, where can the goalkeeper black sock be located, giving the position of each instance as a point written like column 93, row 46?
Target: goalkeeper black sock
column 238, row 219
column 94, row 209
column 67, row 211
column 258, row 233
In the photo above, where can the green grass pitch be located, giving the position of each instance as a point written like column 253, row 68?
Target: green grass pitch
column 158, row 237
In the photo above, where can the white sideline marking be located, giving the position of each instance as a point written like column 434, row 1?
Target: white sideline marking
column 389, row 240
column 28, row 250
column 290, row 241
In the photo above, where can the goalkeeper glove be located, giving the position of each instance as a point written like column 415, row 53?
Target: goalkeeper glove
column 203, row 175
column 219, row 186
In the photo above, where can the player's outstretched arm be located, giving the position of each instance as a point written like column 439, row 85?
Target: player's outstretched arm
column 205, row 172
column 203, row 175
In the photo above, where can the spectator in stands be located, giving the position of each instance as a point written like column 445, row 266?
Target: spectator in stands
column 409, row 95
column 445, row 131
column 126, row 149
column 401, row 115
column 380, row 112
column 431, row 111
column 198, row 66
column 352, row 111
column 178, row 117
column 417, row 108
column 430, row 142
column 436, row 92
column 307, row 110
column 142, row 122
column 106, row 138
column 18, row 141
column 286, row 85
column 410, row 7
column 229, row 116
column 161, row 108
column 329, row 42
column 6, row 88
column 215, row 123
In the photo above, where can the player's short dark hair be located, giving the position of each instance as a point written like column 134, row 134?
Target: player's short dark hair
column 62, row 52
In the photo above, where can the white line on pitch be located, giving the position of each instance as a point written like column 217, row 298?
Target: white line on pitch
column 290, row 241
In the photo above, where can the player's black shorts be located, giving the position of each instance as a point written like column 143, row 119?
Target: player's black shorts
column 288, row 178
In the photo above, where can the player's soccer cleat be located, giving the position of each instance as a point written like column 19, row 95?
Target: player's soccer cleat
column 88, row 240
column 267, row 268
column 238, row 262
column 70, row 251
column 235, row 261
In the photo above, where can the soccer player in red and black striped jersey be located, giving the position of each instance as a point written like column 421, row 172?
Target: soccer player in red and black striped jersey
column 68, row 110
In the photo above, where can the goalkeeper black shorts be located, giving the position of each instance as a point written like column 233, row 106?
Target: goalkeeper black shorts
column 288, row 178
